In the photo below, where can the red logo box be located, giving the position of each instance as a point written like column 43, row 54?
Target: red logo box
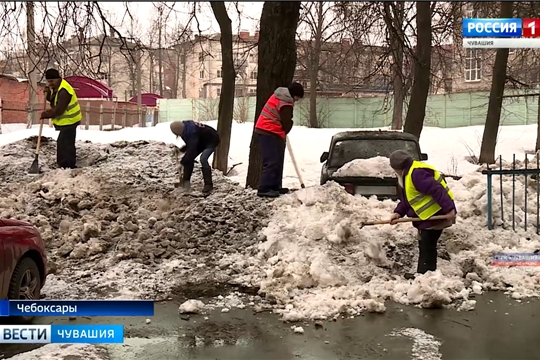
column 530, row 28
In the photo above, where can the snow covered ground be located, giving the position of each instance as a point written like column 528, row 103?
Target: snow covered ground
column 447, row 148
column 118, row 228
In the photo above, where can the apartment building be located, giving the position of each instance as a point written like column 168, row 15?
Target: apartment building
column 204, row 65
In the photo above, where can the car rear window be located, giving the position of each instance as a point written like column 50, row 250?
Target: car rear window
column 348, row 150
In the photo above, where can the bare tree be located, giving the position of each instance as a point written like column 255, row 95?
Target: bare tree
column 393, row 14
column 493, row 118
column 414, row 121
column 226, row 98
column 276, row 65
column 320, row 20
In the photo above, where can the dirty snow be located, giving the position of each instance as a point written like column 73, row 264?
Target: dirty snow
column 64, row 352
column 191, row 306
column 378, row 167
column 117, row 228
column 425, row 346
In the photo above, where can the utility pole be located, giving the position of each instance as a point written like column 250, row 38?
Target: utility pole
column 142, row 123
column 32, row 66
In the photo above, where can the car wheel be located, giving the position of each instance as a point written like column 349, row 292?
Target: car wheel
column 25, row 283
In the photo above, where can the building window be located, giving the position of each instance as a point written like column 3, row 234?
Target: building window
column 103, row 76
column 201, row 74
column 218, row 91
column 473, row 65
column 252, row 91
column 253, row 75
column 239, row 92
column 219, row 74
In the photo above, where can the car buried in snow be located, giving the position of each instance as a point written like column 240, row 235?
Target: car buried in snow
column 351, row 145
column 23, row 261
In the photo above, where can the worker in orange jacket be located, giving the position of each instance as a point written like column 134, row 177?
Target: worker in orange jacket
column 272, row 127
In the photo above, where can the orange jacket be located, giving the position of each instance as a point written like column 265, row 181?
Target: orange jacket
column 270, row 119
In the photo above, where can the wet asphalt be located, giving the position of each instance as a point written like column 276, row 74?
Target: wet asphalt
column 499, row 328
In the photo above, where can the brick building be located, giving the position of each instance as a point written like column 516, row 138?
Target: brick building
column 14, row 93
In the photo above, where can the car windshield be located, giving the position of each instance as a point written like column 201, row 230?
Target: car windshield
column 348, row 150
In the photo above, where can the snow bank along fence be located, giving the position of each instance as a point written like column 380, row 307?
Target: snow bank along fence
column 445, row 111
column 110, row 115
column 534, row 173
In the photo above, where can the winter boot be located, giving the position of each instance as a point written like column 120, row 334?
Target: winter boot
column 186, row 186
column 207, row 177
column 270, row 194
column 283, row 191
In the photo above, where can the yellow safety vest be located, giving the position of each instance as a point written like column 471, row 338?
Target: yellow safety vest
column 73, row 111
column 423, row 205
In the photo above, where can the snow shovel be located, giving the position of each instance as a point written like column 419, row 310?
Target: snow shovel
column 34, row 168
column 294, row 164
column 402, row 220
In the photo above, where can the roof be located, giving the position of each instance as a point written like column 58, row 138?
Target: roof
column 373, row 134
column 14, row 78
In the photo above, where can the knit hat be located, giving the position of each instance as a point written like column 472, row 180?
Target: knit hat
column 398, row 159
column 296, row 89
column 177, row 127
column 52, row 74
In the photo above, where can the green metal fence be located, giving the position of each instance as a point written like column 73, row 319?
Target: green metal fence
column 446, row 111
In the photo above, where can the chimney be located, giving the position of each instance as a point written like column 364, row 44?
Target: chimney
column 244, row 34
column 256, row 36
column 346, row 42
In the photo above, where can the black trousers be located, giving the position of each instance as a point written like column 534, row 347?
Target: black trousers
column 66, row 153
column 272, row 150
column 427, row 258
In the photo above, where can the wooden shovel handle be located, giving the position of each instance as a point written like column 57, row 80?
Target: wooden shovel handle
column 404, row 220
column 41, row 126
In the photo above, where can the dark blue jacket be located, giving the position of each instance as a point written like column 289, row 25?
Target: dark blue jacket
column 197, row 137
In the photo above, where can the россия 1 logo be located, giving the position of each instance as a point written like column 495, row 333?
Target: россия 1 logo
column 492, row 28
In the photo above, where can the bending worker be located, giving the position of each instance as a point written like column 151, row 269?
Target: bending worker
column 199, row 139
column 424, row 193
column 66, row 115
column 272, row 127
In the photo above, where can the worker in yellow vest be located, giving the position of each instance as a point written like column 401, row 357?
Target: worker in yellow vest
column 424, row 193
column 66, row 115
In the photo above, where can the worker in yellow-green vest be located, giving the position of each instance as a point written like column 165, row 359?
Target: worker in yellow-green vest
column 424, row 193
column 66, row 115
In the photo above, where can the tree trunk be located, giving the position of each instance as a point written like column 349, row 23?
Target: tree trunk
column 276, row 66
column 184, row 73
column 176, row 74
column 226, row 98
column 314, row 67
column 537, row 147
column 394, row 24
column 493, row 118
column 151, row 75
column 416, row 112
column 160, row 53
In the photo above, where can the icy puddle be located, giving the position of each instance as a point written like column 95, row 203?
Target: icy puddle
column 402, row 332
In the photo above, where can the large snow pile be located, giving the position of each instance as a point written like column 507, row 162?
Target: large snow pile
column 117, row 227
column 64, row 352
column 373, row 167
column 317, row 262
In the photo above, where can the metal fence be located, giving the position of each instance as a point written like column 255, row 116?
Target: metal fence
column 445, row 111
column 526, row 172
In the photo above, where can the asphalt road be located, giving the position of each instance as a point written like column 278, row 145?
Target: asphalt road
column 499, row 328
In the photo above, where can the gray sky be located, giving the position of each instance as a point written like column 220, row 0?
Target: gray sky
column 13, row 29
